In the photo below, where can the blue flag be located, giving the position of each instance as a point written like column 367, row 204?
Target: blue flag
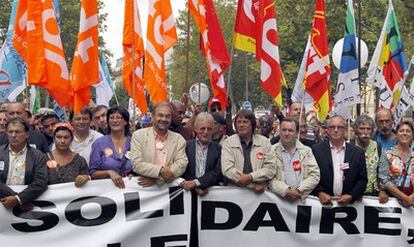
column 347, row 88
column 12, row 67
column 105, row 89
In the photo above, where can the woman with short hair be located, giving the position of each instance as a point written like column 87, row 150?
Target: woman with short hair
column 110, row 153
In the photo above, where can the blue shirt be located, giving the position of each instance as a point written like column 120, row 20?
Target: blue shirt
column 105, row 157
column 386, row 144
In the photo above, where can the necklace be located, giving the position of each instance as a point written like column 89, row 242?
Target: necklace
column 159, row 141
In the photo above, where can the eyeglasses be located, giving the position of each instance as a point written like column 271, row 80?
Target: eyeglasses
column 336, row 127
column 214, row 109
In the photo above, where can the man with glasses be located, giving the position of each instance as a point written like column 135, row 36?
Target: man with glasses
column 20, row 164
column 265, row 125
column 385, row 136
column 342, row 166
column 203, row 169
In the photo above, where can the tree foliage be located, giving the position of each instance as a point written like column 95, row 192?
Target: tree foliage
column 294, row 20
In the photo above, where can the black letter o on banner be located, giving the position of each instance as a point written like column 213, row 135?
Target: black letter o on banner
column 73, row 211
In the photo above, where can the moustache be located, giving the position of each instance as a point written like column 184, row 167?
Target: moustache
column 386, row 131
column 364, row 136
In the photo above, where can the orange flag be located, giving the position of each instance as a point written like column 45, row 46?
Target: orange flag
column 38, row 41
column 85, row 65
column 161, row 36
column 133, row 54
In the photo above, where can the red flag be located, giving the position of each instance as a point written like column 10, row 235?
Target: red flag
column 38, row 41
column 267, row 51
column 133, row 54
column 245, row 31
column 85, row 66
column 213, row 45
column 318, row 69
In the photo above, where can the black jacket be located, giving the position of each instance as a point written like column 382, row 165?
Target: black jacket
column 212, row 175
column 355, row 178
column 35, row 174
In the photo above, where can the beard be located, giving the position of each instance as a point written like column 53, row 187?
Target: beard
column 385, row 131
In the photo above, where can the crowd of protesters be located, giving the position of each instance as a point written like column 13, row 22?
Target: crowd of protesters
column 292, row 154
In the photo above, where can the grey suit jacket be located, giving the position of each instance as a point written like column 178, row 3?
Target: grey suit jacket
column 143, row 151
column 35, row 174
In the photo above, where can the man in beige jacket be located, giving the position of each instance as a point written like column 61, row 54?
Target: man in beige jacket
column 297, row 172
column 157, row 154
column 247, row 159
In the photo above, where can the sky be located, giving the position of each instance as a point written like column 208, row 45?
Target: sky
column 115, row 22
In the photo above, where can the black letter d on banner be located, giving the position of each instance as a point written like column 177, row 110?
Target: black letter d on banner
column 208, row 213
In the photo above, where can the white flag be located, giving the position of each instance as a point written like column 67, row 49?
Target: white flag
column 105, row 89
column 298, row 91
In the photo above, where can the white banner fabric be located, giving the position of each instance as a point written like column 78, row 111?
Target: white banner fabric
column 99, row 214
column 231, row 216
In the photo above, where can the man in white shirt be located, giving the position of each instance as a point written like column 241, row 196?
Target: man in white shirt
column 342, row 166
column 297, row 172
column 83, row 137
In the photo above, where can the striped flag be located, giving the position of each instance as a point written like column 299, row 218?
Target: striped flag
column 388, row 68
column 161, row 36
column 133, row 47
column 347, row 87
column 318, row 68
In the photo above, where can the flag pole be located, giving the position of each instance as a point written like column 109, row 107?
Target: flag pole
column 302, row 106
column 358, row 107
column 229, row 91
column 116, row 98
column 27, row 92
column 187, row 55
column 133, row 86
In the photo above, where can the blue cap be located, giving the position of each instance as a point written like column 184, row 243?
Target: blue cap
column 145, row 120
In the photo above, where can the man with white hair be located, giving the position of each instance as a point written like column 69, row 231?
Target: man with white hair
column 203, row 169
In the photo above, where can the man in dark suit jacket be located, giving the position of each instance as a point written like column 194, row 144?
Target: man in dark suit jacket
column 21, row 164
column 342, row 166
column 35, row 139
column 203, row 169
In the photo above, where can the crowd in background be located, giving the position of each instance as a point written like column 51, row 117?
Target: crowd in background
column 290, row 153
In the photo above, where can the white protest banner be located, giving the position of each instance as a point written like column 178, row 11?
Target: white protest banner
column 231, row 216
column 100, row 214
